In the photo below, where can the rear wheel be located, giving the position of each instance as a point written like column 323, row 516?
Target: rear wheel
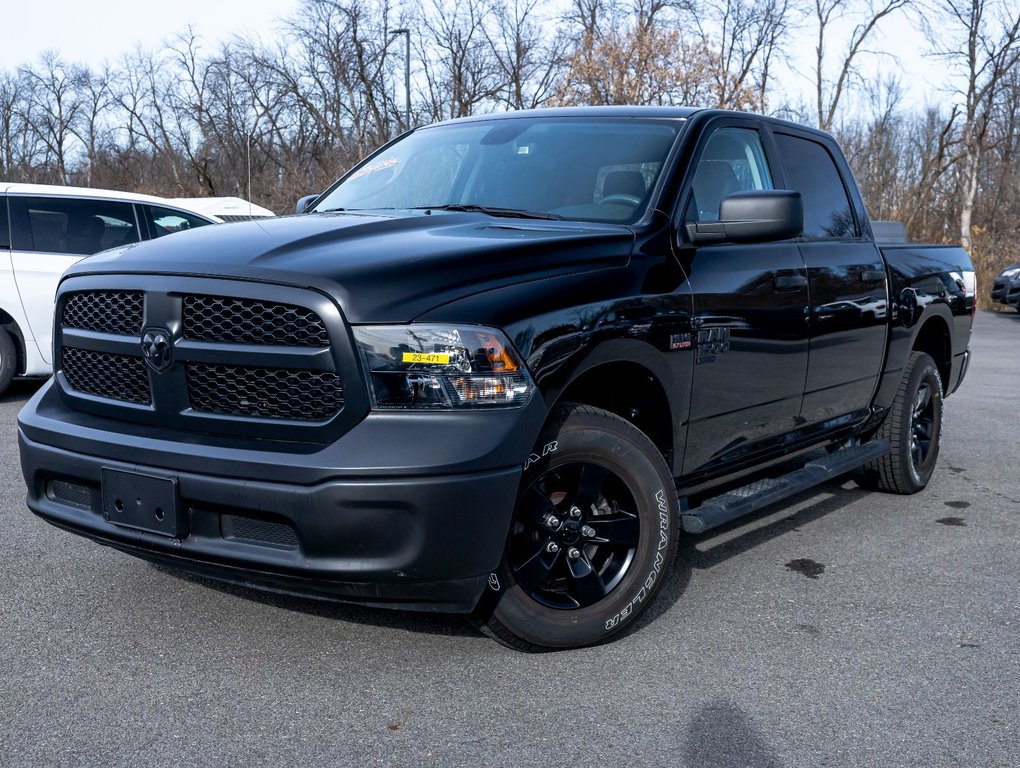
column 8, row 360
column 593, row 533
column 913, row 428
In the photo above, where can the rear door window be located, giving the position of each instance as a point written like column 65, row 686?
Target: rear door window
column 166, row 221
column 810, row 169
column 77, row 226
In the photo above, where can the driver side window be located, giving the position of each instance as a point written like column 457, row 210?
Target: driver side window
column 733, row 161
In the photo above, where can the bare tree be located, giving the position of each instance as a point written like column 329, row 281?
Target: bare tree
column 638, row 57
column 828, row 95
column 54, row 107
column 19, row 144
column 528, row 58
column 747, row 35
column 981, row 38
column 461, row 75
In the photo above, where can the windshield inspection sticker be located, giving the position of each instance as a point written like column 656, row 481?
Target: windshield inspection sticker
column 375, row 168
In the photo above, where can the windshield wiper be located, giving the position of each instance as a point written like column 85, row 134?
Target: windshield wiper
column 510, row 213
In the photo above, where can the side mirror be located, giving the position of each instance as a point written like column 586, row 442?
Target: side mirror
column 758, row 216
column 305, row 203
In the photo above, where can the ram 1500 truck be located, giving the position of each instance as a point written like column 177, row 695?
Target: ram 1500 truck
column 499, row 366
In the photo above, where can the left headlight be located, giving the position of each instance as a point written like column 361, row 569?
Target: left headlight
column 442, row 367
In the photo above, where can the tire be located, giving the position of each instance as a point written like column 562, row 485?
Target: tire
column 594, row 532
column 913, row 428
column 8, row 360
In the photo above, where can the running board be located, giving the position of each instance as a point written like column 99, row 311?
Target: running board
column 739, row 502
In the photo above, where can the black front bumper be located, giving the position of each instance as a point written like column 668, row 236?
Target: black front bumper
column 351, row 521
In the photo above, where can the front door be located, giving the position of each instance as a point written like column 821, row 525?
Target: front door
column 750, row 314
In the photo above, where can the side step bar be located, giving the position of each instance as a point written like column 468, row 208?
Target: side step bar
column 736, row 503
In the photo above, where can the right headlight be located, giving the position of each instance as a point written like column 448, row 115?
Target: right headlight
column 442, row 367
column 1010, row 273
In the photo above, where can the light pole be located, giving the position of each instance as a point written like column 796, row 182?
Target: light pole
column 407, row 74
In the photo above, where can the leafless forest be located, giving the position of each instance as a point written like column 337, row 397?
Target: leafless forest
column 294, row 112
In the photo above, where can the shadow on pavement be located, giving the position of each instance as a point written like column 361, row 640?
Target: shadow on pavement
column 21, row 390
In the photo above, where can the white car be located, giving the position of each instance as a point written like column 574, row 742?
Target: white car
column 224, row 208
column 46, row 229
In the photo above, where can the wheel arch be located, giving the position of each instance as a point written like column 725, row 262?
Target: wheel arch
column 625, row 377
column 933, row 337
column 10, row 325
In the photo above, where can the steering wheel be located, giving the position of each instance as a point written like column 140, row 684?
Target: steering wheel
column 621, row 198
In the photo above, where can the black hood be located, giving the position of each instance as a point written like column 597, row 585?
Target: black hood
column 379, row 268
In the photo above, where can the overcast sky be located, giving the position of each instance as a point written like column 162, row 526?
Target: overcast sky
column 93, row 31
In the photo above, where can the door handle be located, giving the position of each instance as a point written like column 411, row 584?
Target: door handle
column 873, row 276
column 789, row 282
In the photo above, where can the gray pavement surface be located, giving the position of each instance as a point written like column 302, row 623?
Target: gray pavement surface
column 846, row 628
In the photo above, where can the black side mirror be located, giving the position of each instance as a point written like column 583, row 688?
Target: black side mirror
column 305, row 203
column 758, row 216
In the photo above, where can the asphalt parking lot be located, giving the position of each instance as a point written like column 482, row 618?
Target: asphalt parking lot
column 845, row 629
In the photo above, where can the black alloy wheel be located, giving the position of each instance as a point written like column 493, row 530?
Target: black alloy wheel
column 573, row 538
column 593, row 534
column 913, row 427
column 922, row 426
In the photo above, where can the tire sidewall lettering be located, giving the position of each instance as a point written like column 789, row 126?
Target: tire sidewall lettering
column 657, row 564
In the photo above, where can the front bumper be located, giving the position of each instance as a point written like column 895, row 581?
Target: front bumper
column 356, row 520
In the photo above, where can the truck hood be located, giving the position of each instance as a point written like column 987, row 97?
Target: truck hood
column 379, row 268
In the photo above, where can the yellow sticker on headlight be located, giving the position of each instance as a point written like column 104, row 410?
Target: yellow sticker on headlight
column 433, row 358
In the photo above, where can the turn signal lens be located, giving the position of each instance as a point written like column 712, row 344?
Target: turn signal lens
column 442, row 367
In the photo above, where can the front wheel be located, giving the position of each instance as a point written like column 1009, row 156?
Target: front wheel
column 593, row 534
column 913, row 428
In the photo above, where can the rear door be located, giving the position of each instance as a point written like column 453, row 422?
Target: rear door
column 750, row 303
column 847, row 283
column 50, row 234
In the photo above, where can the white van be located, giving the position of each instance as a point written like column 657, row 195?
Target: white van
column 43, row 231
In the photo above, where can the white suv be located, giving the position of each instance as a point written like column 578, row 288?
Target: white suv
column 46, row 229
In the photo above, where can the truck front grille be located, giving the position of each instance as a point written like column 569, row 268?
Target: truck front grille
column 270, row 393
column 245, row 321
column 118, row 312
column 244, row 359
column 115, row 377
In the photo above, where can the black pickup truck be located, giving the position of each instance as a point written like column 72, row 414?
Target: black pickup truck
column 499, row 366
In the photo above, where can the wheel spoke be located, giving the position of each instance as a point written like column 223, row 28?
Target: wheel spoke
column 589, row 485
column 534, row 505
column 922, row 401
column 588, row 584
column 619, row 530
column 533, row 573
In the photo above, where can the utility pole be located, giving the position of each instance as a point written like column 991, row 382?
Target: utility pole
column 407, row 74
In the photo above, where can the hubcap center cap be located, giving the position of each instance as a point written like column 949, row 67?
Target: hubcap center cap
column 571, row 531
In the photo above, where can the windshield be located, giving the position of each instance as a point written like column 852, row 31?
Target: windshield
column 589, row 169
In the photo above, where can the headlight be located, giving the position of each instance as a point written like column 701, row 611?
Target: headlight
column 1011, row 272
column 440, row 366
